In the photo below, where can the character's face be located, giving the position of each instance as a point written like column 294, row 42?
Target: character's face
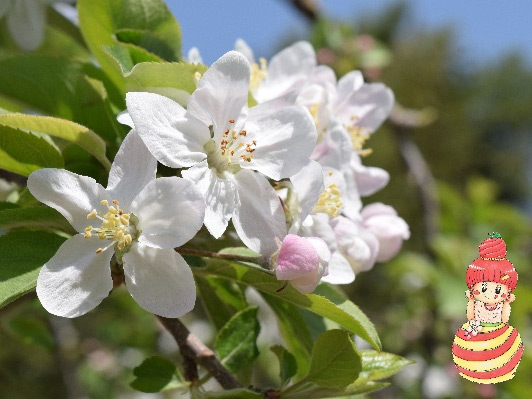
column 490, row 292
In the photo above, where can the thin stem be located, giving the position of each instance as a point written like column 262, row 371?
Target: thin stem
column 209, row 254
column 192, row 348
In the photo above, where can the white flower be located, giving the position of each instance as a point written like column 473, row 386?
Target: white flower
column 224, row 143
column 143, row 219
column 26, row 20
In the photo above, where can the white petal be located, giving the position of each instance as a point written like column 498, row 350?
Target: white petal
column 159, row 280
column 170, row 212
column 340, row 271
column 171, row 134
column 369, row 179
column 259, row 219
column 133, row 167
column 308, row 185
column 222, row 91
column 219, row 195
column 74, row 196
column 125, row 119
column 242, row 47
column 299, row 57
column 25, row 22
column 285, row 141
column 348, row 84
column 336, row 148
column 194, row 56
column 76, row 279
column 370, row 105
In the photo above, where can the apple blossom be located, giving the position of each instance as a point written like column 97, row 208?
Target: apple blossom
column 229, row 149
column 143, row 219
column 302, row 261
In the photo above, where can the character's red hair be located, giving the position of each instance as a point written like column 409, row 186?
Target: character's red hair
column 492, row 265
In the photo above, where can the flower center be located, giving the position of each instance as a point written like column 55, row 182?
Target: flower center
column 258, row 74
column 117, row 226
column 358, row 137
column 232, row 149
column 330, row 201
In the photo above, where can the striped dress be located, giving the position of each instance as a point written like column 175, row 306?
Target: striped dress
column 490, row 356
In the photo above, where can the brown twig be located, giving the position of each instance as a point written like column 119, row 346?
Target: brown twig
column 308, row 8
column 420, row 171
column 193, row 350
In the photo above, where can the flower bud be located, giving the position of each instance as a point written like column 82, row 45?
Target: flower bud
column 302, row 261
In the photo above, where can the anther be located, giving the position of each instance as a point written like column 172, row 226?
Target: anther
column 92, row 215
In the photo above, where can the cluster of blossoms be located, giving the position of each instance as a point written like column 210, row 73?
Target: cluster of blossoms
column 305, row 134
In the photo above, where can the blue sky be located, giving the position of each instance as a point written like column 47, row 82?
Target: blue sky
column 485, row 29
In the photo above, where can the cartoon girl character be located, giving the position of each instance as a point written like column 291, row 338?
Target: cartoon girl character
column 487, row 349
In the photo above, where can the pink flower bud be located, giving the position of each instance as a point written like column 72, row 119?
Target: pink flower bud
column 302, row 261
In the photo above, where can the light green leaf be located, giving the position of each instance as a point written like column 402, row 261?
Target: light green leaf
column 380, row 365
column 156, row 374
column 329, row 304
column 148, row 24
column 126, row 56
column 22, row 152
column 236, row 343
column 221, row 299
column 171, row 79
column 238, row 393
column 335, row 362
column 287, row 363
column 41, row 217
column 23, row 254
column 60, row 128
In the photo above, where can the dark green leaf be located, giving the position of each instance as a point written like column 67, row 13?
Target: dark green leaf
column 329, row 304
column 23, row 254
column 32, row 331
column 41, row 217
column 221, row 299
column 155, row 374
column 236, row 343
column 22, row 152
column 287, row 363
column 294, row 331
column 335, row 362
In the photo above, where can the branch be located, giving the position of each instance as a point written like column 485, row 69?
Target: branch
column 308, row 8
column 420, row 171
column 194, row 350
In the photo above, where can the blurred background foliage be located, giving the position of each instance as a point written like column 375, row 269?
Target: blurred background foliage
column 458, row 150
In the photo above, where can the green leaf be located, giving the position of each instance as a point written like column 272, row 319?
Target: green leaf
column 312, row 391
column 61, row 87
column 32, row 331
column 287, row 363
column 60, row 128
column 380, row 365
column 221, row 299
column 23, row 254
column 238, row 393
column 156, row 374
column 147, row 24
column 126, row 56
column 294, row 331
column 41, row 217
column 171, row 79
column 22, row 152
column 335, row 362
column 236, row 343
column 330, row 304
